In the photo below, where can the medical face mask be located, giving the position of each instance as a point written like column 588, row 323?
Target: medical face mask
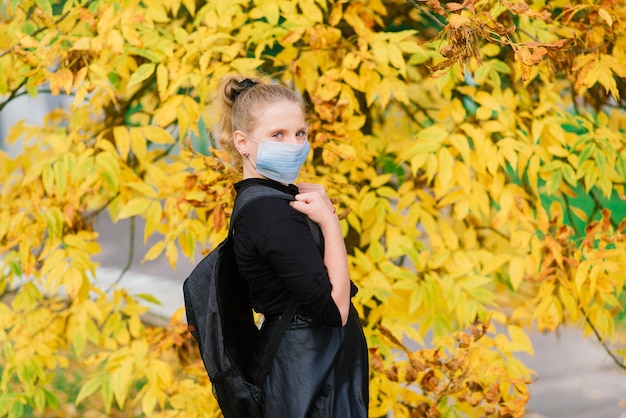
column 280, row 161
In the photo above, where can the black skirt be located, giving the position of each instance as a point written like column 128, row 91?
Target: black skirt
column 318, row 371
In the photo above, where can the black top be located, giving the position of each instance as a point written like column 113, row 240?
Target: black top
column 277, row 255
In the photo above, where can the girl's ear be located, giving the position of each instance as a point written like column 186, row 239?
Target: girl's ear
column 240, row 142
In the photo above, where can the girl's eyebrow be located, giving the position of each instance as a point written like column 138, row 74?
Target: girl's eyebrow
column 283, row 130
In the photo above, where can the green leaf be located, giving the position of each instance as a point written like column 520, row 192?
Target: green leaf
column 28, row 27
column 574, row 129
column 13, row 6
column 553, row 183
column 45, row 6
column 148, row 54
column 621, row 166
column 110, row 169
column 39, row 399
column 107, row 394
column 17, row 409
column 149, row 298
column 584, row 155
column 51, row 400
column 88, row 389
column 568, row 174
column 416, row 300
column 142, row 73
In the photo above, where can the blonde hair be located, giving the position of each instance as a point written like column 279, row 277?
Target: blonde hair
column 241, row 102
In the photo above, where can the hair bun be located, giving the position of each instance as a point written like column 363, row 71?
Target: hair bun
column 241, row 86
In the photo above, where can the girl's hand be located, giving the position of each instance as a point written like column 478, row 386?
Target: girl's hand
column 314, row 203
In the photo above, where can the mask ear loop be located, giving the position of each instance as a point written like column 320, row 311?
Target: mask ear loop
column 251, row 162
column 248, row 154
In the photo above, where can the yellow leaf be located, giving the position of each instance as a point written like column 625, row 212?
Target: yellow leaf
column 171, row 253
column 380, row 180
column 72, row 240
column 246, row 65
column 488, row 100
column 384, row 92
column 122, row 141
column 121, row 378
column 461, row 144
column 190, row 5
column 60, row 177
column 396, row 58
column 149, row 400
column 73, row 281
column 138, row 143
column 601, row 73
column 516, row 271
column 62, row 79
column 154, row 251
column 606, row 16
column 581, row 214
column 582, row 272
column 445, row 169
column 53, row 259
column 142, row 188
column 556, row 250
column 368, row 202
column 153, row 219
column 135, row 206
column 506, row 203
column 371, row 81
column 271, row 12
column 520, row 340
column 157, row 135
column 135, row 326
column 110, row 169
column 328, row 91
column 115, row 42
column 449, row 236
column 310, row 11
column 353, row 80
column 107, row 393
column 484, row 113
column 162, row 80
column 47, row 178
column 183, row 121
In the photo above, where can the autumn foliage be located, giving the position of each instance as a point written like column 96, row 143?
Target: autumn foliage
column 475, row 151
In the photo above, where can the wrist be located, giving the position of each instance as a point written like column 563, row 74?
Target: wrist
column 330, row 223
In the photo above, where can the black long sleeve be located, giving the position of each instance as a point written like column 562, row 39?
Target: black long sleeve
column 278, row 257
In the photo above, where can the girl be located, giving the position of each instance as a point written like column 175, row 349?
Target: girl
column 320, row 368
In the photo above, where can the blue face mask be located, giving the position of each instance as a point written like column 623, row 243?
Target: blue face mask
column 280, row 161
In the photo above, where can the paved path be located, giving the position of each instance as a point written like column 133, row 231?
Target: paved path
column 576, row 378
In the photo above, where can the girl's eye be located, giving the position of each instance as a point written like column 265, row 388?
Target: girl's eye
column 301, row 133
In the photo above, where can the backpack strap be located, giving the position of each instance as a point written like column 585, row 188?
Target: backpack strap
column 283, row 324
column 250, row 194
column 257, row 191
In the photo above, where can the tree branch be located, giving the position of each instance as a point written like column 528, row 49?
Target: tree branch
column 131, row 254
column 13, row 95
column 616, row 359
column 427, row 13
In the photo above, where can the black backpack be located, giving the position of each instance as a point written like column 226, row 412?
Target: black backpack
column 219, row 316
